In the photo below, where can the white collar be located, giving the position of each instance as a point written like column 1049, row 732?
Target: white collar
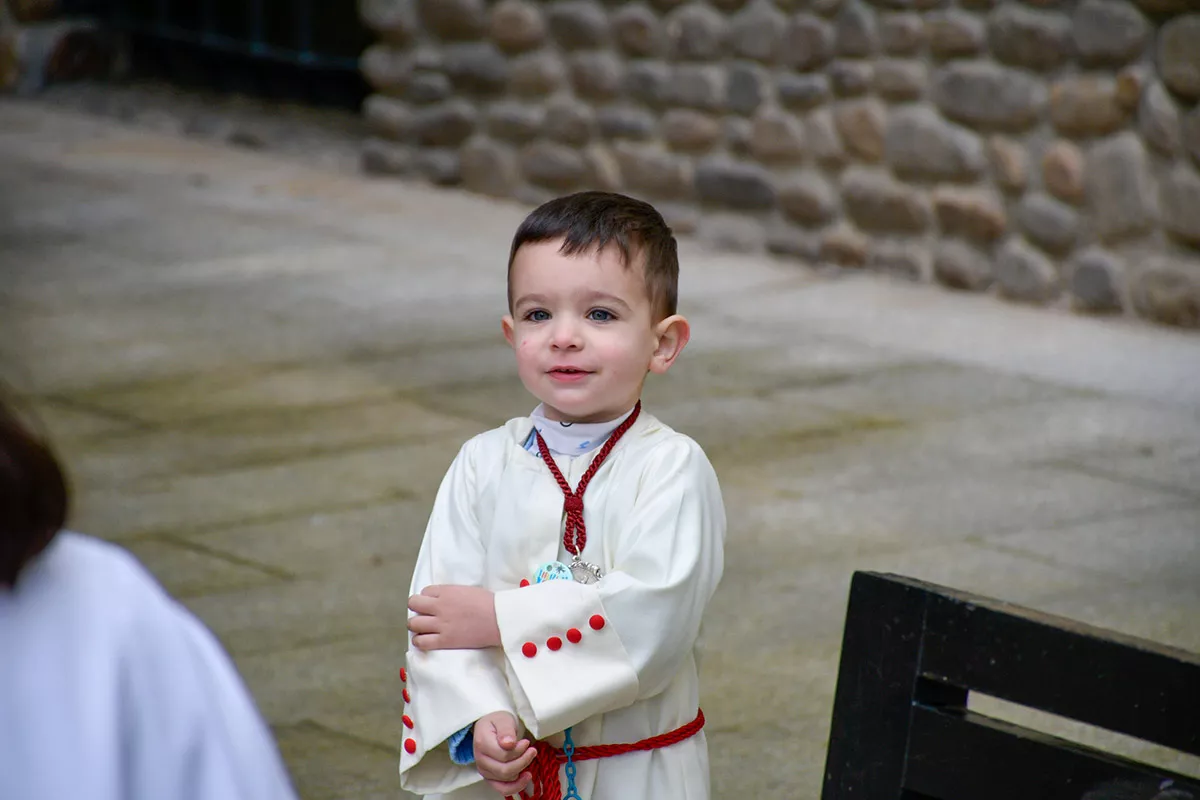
column 573, row 438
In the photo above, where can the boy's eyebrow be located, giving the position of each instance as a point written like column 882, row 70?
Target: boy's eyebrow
column 526, row 299
column 529, row 298
column 611, row 298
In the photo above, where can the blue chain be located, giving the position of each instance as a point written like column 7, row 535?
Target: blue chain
column 569, row 752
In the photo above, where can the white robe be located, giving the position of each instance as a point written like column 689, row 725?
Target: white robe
column 110, row 690
column 656, row 526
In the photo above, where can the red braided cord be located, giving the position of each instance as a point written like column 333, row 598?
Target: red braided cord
column 574, row 532
column 653, row 743
column 545, row 765
column 544, row 769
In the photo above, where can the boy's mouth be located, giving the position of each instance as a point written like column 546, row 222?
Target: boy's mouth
column 568, row 373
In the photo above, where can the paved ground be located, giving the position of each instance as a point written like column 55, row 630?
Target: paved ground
column 258, row 371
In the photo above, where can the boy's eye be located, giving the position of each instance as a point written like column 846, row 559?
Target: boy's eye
column 600, row 315
column 538, row 315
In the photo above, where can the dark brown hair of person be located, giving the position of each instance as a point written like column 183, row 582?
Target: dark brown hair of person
column 588, row 221
column 33, row 496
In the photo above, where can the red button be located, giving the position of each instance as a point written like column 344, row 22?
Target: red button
column 406, row 696
column 597, row 622
column 573, row 636
column 410, row 746
column 529, row 649
column 403, row 674
column 407, row 720
column 554, row 643
column 524, row 582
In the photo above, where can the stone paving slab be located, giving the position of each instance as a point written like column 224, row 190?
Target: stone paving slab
column 1159, row 544
column 771, row 743
column 1160, row 610
column 816, row 590
column 69, row 423
column 213, row 349
column 191, row 571
column 930, row 391
column 1080, row 351
column 296, row 685
column 329, row 765
column 887, row 399
column 208, row 398
column 221, row 497
column 302, row 612
column 134, row 456
column 375, row 724
column 1083, row 428
column 335, row 541
column 1126, row 440
column 258, row 371
column 1172, row 469
column 953, row 507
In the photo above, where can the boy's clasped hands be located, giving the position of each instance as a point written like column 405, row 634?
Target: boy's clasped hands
column 464, row 618
column 500, row 758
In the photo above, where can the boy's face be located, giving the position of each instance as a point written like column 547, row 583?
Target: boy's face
column 584, row 331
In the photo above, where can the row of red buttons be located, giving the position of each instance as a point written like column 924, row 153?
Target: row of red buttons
column 410, row 745
column 574, row 636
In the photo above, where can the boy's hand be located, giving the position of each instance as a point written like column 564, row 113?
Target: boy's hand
column 454, row 618
column 499, row 757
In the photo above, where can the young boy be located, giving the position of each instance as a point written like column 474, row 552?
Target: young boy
column 570, row 554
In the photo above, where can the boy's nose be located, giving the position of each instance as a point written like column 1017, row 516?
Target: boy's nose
column 565, row 336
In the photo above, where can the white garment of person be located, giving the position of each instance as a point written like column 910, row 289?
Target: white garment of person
column 565, row 439
column 111, row 690
column 656, row 527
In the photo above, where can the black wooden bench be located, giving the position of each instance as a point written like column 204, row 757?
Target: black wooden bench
column 911, row 654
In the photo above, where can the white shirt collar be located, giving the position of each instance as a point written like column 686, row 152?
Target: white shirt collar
column 574, row 438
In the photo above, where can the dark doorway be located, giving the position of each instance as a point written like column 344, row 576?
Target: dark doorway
column 303, row 51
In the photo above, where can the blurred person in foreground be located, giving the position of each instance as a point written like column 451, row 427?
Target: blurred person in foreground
column 109, row 689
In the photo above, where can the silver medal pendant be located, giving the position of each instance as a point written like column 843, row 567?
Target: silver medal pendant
column 585, row 573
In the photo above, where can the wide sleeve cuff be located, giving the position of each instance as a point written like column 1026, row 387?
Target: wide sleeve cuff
column 567, row 659
column 444, row 692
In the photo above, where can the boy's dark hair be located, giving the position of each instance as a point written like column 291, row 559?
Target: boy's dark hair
column 594, row 220
column 33, row 496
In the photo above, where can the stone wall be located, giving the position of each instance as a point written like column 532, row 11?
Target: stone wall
column 1045, row 150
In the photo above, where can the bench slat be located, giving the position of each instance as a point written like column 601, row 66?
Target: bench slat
column 865, row 758
column 1062, row 667
column 913, row 651
column 954, row 754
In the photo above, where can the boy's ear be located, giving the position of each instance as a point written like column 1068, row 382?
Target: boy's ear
column 506, row 323
column 673, row 334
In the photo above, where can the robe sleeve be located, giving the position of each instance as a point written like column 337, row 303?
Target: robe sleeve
column 579, row 650
column 447, row 690
column 190, row 729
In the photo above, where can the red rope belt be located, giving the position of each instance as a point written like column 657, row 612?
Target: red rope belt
column 545, row 765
